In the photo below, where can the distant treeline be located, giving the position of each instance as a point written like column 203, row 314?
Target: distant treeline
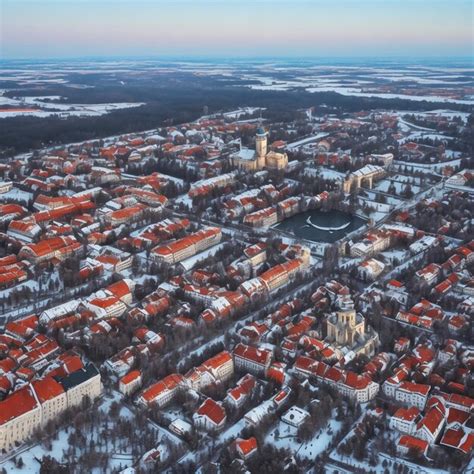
column 180, row 101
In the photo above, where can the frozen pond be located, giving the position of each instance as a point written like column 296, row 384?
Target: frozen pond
column 320, row 226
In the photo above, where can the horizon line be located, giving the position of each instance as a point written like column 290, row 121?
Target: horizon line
column 469, row 58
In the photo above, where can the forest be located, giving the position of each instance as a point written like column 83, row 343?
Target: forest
column 169, row 101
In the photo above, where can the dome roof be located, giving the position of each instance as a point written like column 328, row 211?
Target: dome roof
column 261, row 131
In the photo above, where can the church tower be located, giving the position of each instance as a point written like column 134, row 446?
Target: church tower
column 261, row 147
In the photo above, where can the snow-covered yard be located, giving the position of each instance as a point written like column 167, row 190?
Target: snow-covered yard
column 287, row 438
column 399, row 186
column 191, row 262
column 118, row 449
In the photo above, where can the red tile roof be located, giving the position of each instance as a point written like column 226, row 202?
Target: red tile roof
column 457, row 416
column 432, row 421
column 407, row 414
column 6, row 365
column 245, row 447
column 119, row 289
column 244, row 386
column 458, row 439
column 212, row 410
column 415, row 388
column 130, row 377
column 411, row 442
column 259, row 356
column 170, row 382
column 47, row 389
column 461, row 400
column 48, row 246
column 18, row 403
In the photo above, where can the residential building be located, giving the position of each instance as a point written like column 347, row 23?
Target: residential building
column 405, row 420
column 251, row 359
column 210, row 416
column 412, row 394
column 295, row 416
column 52, row 397
column 217, row 369
column 33, row 405
column 262, row 218
column 163, row 392
column 130, row 382
column 85, row 382
column 20, row 416
column 408, row 443
column 237, row 395
column 246, row 448
column 431, row 425
column 373, row 243
column 56, row 247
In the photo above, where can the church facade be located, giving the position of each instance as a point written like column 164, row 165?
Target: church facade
column 347, row 332
column 261, row 158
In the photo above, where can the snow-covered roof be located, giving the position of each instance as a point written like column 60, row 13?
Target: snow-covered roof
column 245, row 154
column 58, row 311
column 295, row 415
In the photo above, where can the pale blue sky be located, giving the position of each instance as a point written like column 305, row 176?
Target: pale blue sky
column 62, row 28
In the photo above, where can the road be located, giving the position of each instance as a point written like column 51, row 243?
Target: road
column 253, row 316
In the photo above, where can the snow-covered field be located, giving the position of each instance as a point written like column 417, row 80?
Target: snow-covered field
column 385, row 82
column 46, row 106
column 77, row 110
column 399, row 186
column 325, row 173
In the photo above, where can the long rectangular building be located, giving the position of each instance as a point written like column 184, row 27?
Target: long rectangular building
column 33, row 405
column 188, row 246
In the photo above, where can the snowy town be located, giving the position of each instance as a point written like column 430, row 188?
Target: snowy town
column 237, row 292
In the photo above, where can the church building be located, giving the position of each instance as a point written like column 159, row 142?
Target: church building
column 261, row 158
column 347, row 332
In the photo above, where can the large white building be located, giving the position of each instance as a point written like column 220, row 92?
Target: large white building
column 33, row 405
column 181, row 249
column 253, row 360
column 51, row 396
column 405, row 420
column 365, row 175
column 20, row 415
column 412, row 394
column 210, row 416
column 373, row 243
column 83, row 383
column 217, row 369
